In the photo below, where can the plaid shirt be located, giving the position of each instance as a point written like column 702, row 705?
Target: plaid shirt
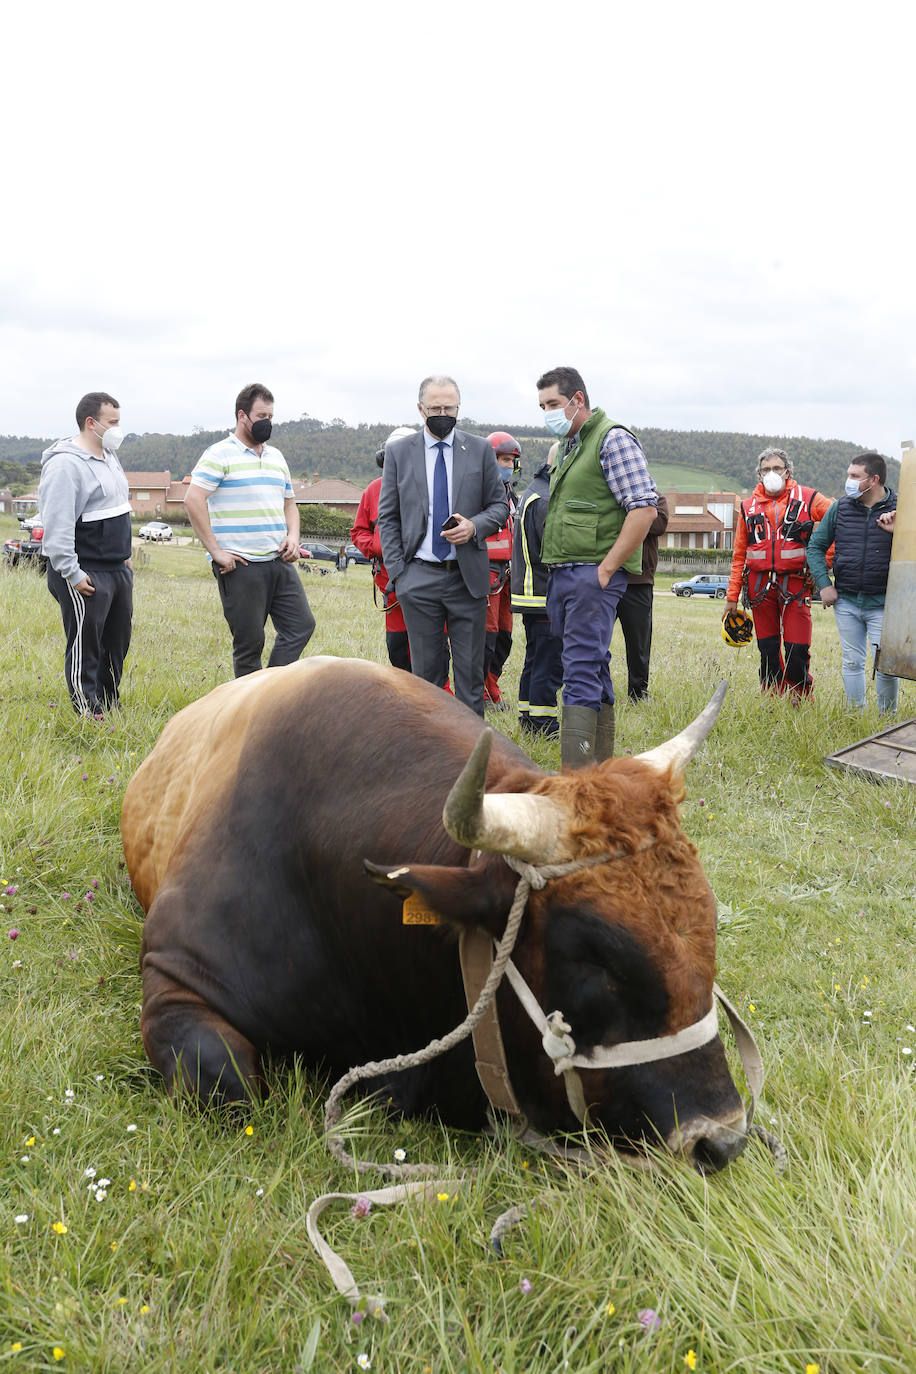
column 625, row 469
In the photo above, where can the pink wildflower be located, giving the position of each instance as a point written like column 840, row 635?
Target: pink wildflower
column 361, row 1208
column 648, row 1319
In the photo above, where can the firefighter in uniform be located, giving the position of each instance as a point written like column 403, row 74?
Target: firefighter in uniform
column 542, row 673
column 499, row 548
column 769, row 571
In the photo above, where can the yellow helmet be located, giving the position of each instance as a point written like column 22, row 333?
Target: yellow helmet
column 737, row 628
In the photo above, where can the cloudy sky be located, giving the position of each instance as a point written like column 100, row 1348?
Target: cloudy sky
column 707, row 208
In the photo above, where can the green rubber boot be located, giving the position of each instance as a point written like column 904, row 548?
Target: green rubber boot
column 604, row 734
column 577, row 736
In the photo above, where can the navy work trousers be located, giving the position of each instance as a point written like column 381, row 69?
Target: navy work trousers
column 542, row 676
column 582, row 614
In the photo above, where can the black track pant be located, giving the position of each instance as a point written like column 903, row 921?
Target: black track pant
column 634, row 616
column 97, row 628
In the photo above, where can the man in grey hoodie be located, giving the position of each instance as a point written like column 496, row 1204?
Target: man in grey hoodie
column 84, row 501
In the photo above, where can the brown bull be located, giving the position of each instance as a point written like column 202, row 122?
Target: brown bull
column 246, row 833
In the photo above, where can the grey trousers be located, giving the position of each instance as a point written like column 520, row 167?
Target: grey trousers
column 436, row 603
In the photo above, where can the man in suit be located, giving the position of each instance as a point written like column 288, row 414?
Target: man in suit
column 441, row 496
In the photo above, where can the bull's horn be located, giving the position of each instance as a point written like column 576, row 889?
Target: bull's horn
column 681, row 749
column 522, row 824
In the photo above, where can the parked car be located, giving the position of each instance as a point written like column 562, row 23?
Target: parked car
column 704, row 584
column 312, row 548
column 26, row 550
column 157, row 530
column 354, row 555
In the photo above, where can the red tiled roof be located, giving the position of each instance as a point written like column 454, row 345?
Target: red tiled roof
column 148, row 479
column 694, row 523
column 328, row 490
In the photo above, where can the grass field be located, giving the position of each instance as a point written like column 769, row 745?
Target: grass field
column 186, row 1248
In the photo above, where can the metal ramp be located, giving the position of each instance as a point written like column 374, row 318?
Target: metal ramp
column 891, row 754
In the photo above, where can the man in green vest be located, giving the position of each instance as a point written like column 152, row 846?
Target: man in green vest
column 602, row 503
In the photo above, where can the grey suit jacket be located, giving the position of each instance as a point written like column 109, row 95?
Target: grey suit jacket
column 478, row 492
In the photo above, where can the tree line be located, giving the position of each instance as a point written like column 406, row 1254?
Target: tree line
column 319, row 449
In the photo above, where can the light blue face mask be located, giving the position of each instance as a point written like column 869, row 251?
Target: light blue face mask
column 556, row 421
column 853, row 488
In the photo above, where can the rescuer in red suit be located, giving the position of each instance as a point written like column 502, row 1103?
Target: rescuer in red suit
column 768, row 564
column 365, row 536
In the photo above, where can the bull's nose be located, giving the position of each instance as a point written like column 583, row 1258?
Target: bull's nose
column 710, row 1145
column 712, row 1152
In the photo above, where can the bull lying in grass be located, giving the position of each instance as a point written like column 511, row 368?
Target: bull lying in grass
column 249, row 832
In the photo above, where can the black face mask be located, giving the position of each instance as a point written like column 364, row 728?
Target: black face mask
column 261, row 431
column 380, row 457
column 441, row 426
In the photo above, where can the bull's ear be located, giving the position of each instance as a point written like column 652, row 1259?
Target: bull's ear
column 478, row 896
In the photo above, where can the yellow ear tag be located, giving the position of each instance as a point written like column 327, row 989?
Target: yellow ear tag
column 415, row 912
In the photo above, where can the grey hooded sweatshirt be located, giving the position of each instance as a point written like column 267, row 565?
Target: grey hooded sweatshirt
column 85, row 505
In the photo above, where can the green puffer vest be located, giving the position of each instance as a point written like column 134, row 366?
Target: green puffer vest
column 583, row 517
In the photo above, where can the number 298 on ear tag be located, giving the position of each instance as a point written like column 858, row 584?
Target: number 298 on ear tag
column 415, row 912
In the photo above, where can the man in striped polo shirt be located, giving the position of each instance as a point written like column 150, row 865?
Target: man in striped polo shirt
column 240, row 503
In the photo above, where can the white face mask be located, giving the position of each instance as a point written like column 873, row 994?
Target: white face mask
column 111, row 439
column 774, row 482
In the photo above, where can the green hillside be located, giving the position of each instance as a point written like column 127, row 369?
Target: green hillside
column 677, row 477
column 690, row 460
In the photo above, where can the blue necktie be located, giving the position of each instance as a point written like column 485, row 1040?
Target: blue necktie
column 441, row 547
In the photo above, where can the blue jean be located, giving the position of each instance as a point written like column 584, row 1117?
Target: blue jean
column 582, row 614
column 856, row 625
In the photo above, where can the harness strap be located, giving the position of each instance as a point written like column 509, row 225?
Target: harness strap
column 476, row 954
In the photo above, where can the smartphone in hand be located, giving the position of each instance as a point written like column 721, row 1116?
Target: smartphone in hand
column 451, row 523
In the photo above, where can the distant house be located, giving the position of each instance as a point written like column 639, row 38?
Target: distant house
column 331, row 491
column 700, row 520
column 149, row 491
column 6, row 501
column 175, row 498
column 25, row 505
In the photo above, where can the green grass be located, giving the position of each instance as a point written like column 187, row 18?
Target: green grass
column 204, row 1225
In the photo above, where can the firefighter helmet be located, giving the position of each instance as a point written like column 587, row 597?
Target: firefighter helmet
column 401, row 432
column 504, row 446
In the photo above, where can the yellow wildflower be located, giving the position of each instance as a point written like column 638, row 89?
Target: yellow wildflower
column 249, row 1130
column 17, row 1345
column 60, row 1228
column 31, row 1140
column 132, row 1186
column 144, row 1309
column 611, row 1309
column 812, row 1368
column 690, row 1359
column 442, row 1197
column 58, row 1353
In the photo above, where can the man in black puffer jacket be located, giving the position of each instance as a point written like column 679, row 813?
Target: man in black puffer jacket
column 860, row 524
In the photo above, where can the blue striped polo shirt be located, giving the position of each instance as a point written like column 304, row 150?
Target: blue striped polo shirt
column 246, row 495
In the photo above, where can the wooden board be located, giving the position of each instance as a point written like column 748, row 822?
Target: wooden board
column 891, row 754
